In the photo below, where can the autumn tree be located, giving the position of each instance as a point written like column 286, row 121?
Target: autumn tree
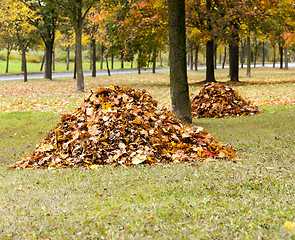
column 15, row 20
column 178, row 73
column 134, row 27
column 46, row 25
column 76, row 11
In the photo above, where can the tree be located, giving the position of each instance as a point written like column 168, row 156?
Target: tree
column 46, row 25
column 76, row 11
column 15, row 20
column 178, row 72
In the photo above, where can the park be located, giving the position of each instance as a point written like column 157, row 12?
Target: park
column 109, row 156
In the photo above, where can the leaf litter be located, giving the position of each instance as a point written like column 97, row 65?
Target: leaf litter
column 122, row 126
column 216, row 100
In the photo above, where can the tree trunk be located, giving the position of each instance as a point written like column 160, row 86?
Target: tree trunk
column 101, row 56
column 68, row 57
column 224, row 57
column 122, row 59
column 42, row 63
column 281, row 50
column 179, row 90
column 234, row 62
column 191, row 57
column 210, row 61
column 48, row 59
column 112, row 61
column 93, row 45
column 154, row 63
column 7, row 57
column 286, row 58
column 255, row 51
column 79, row 66
column 53, row 60
column 248, row 47
column 196, row 57
column 160, row 58
column 242, row 53
column 274, row 56
column 24, row 64
column 215, row 55
column 263, row 54
column 107, row 63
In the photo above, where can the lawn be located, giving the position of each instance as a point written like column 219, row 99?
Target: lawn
column 251, row 197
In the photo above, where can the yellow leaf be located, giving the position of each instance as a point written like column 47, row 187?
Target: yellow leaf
column 138, row 158
column 95, row 166
column 106, row 107
column 290, row 225
column 45, row 148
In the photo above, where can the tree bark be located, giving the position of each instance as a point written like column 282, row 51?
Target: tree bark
column 191, row 57
column 248, row 47
column 210, row 61
column 263, row 54
column 234, row 62
column 24, row 63
column 281, row 50
column 286, row 58
column 242, row 53
column 122, row 59
column 101, row 56
column 196, row 57
column 7, row 57
column 79, row 66
column 48, row 59
column 68, row 57
column 107, row 63
column 179, row 90
column 224, row 57
column 93, row 45
column 274, row 56
column 112, row 61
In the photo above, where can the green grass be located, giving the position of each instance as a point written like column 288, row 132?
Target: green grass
column 248, row 198
column 15, row 66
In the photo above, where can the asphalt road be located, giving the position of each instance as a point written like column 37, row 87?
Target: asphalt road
column 99, row 73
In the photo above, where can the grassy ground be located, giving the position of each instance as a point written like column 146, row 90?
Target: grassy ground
column 249, row 198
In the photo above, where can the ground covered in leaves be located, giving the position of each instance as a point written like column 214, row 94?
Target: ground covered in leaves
column 122, row 126
column 216, row 100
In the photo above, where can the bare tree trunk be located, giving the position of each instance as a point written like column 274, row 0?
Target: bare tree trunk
column 224, row 57
column 234, row 62
column 248, row 46
column 179, row 90
column 263, row 54
column 68, row 57
column 24, row 64
column 93, row 50
column 42, row 63
column 281, row 50
column 196, row 57
column 210, row 61
column 112, row 61
column 122, row 59
column 48, row 59
column 286, row 58
column 191, row 57
column 101, row 56
column 107, row 63
column 7, row 56
column 274, row 56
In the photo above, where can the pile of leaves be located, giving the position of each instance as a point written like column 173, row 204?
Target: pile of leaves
column 216, row 100
column 122, row 126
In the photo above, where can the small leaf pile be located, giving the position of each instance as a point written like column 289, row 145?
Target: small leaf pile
column 216, row 100
column 122, row 126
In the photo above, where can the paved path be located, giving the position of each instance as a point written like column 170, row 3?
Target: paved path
column 100, row 72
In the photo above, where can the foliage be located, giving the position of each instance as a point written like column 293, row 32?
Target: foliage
column 135, row 27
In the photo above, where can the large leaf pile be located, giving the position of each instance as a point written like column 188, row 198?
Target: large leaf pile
column 216, row 100
column 122, row 126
